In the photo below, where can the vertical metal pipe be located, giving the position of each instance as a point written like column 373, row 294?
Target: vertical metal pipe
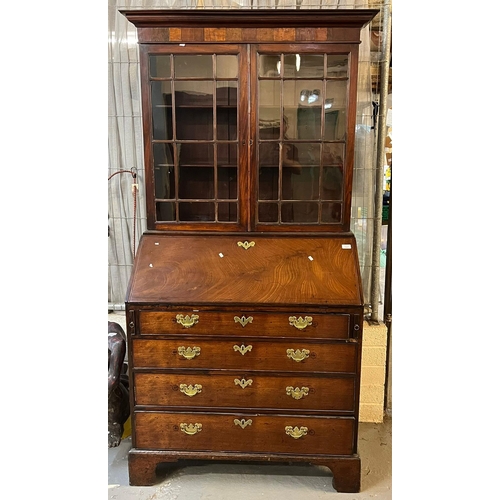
column 379, row 183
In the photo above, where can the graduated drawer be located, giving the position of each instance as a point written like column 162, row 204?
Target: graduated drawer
column 251, row 391
column 250, row 433
column 230, row 355
column 239, row 323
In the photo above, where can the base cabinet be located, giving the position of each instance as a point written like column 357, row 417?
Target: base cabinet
column 244, row 380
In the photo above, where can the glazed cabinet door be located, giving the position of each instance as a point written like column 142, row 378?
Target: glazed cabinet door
column 195, row 102
column 303, row 155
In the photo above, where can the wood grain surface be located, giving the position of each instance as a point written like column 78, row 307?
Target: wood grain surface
column 263, row 391
column 269, row 356
column 335, row 326
column 326, row 435
column 208, row 269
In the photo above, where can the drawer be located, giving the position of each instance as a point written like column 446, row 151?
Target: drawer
column 230, row 355
column 247, row 390
column 244, row 433
column 309, row 325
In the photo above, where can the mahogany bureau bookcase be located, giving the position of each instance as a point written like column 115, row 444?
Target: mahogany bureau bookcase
column 245, row 308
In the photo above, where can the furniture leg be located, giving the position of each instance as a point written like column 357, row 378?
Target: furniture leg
column 142, row 467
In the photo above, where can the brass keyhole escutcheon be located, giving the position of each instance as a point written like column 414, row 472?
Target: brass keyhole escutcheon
column 243, row 321
column 242, row 349
column 243, row 423
column 246, row 244
column 243, row 383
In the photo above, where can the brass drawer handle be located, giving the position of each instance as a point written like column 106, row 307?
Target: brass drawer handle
column 298, row 355
column 189, row 352
column 243, row 321
column 297, row 393
column 300, row 323
column 242, row 423
column 191, row 429
column 243, row 383
column 187, row 321
column 190, row 390
column 246, row 244
column 295, row 432
column 242, row 349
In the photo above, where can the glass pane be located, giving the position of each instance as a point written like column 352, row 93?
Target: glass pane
column 227, row 113
column 303, row 66
column 269, row 154
column 164, row 171
column 195, row 124
column 227, row 212
column 227, row 183
column 198, row 93
column 159, row 66
column 196, row 183
column 165, row 211
column 332, row 183
column 226, row 66
column 333, row 172
column 269, row 65
column 301, row 185
column 302, row 104
column 268, row 183
column 300, row 177
column 302, row 93
column 196, row 211
column 299, row 154
column 331, row 121
column 269, row 104
column 308, row 123
column 196, row 154
column 161, row 101
column 331, row 212
column 335, row 110
column 299, row 212
column 227, row 154
column 194, row 110
column 268, row 212
column 337, row 65
column 227, row 93
column 333, row 154
column 199, row 66
column 227, row 122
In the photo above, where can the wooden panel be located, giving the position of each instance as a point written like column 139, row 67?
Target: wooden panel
column 261, row 325
column 215, row 34
column 283, row 35
column 258, row 391
column 192, row 34
column 153, row 35
column 189, row 269
column 270, row 356
column 234, row 34
column 162, row 431
column 305, row 34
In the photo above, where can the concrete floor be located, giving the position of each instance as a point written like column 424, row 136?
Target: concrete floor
column 246, row 481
